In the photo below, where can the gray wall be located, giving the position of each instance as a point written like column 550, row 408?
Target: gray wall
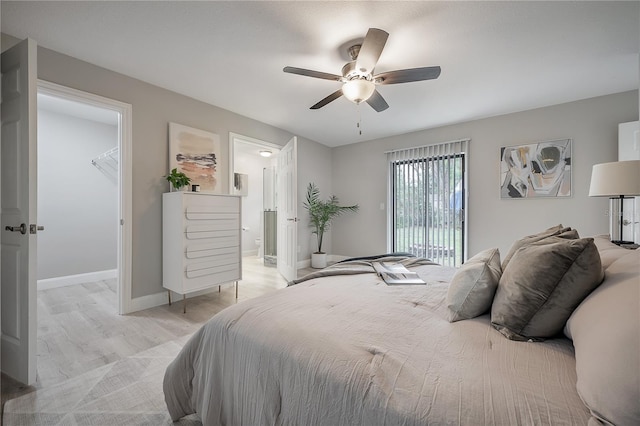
column 592, row 124
column 313, row 167
column 77, row 204
column 360, row 174
column 153, row 108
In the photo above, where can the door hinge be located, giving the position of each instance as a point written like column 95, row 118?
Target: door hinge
column 33, row 228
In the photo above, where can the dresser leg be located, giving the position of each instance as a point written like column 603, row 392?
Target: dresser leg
column 184, row 303
column 236, row 290
column 169, row 294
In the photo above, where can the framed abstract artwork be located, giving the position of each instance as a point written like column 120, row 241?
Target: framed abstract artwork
column 195, row 153
column 536, row 170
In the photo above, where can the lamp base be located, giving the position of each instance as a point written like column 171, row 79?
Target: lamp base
column 621, row 242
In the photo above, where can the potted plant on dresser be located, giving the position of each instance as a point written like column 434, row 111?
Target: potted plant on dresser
column 321, row 213
column 177, row 179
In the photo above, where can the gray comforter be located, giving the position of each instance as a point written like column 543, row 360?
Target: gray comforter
column 350, row 350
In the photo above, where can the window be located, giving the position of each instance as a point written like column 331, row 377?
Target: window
column 427, row 197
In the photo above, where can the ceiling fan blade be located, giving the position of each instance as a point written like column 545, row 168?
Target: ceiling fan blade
column 406, row 76
column 332, row 97
column 377, row 102
column 371, row 50
column 311, row 73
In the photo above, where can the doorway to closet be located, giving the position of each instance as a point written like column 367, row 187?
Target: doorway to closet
column 83, row 264
column 84, row 190
column 77, row 193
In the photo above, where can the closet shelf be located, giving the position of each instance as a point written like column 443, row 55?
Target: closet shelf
column 107, row 162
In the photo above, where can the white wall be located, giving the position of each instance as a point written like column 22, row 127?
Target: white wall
column 77, row 204
column 360, row 174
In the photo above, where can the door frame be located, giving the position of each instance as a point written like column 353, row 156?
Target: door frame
column 236, row 137
column 233, row 137
column 125, row 214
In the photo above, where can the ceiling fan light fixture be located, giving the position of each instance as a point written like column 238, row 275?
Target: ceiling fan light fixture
column 358, row 90
column 358, row 81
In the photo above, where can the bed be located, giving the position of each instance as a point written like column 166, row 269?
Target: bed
column 344, row 348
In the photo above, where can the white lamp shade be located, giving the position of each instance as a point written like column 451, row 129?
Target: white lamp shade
column 358, row 90
column 615, row 179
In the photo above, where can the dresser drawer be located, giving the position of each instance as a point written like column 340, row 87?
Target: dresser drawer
column 210, row 268
column 194, row 217
column 221, row 246
column 208, row 281
column 206, row 232
column 195, row 203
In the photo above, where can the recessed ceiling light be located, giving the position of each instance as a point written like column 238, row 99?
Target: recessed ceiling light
column 265, row 153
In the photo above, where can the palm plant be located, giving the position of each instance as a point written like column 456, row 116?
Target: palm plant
column 321, row 213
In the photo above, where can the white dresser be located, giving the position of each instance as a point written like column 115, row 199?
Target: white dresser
column 201, row 244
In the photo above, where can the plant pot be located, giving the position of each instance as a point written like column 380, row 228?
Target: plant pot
column 318, row 260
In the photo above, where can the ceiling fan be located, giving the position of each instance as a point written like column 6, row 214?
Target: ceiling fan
column 359, row 82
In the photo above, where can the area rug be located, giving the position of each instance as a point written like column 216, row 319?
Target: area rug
column 127, row 392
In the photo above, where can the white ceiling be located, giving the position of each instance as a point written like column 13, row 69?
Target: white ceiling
column 77, row 109
column 496, row 57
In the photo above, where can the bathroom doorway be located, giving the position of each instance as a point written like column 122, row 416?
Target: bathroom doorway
column 253, row 176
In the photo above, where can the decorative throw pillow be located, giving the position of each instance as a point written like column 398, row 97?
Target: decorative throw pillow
column 473, row 286
column 542, row 285
column 605, row 329
column 529, row 239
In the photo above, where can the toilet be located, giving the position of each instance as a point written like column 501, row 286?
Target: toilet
column 259, row 244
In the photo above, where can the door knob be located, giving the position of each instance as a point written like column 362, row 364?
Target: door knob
column 21, row 229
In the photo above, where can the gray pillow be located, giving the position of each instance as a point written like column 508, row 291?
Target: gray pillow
column 542, row 285
column 473, row 286
column 605, row 329
column 529, row 239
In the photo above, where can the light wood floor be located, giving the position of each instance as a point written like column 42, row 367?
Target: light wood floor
column 79, row 329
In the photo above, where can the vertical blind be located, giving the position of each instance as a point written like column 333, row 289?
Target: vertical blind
column 427, row 195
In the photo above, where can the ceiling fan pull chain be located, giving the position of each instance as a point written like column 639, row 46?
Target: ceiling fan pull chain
column 358, row 124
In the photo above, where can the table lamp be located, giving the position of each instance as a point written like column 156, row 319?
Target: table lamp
column 616, row 180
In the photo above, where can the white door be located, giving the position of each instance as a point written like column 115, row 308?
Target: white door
column 18, row 211
column 288, row 210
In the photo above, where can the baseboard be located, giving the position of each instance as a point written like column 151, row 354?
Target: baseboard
column 253, row 252
column 158, row 299
column 302, row 264
column 48, row 283
column 331, row 258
